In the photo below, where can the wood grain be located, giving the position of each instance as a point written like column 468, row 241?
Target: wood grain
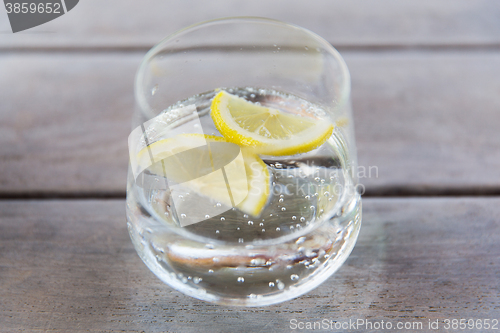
column 69, row 266
column 427, row 123
column 130, row 24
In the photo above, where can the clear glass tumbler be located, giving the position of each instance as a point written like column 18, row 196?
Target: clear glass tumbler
column 242, row 187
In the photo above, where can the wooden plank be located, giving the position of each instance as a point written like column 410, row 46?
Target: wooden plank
column 425, row 122
column 70, row 266
column 345, row 23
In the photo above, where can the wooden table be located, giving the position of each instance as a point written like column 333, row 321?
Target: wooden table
column 426, row 99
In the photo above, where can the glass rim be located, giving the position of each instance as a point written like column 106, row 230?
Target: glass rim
column 140, row 99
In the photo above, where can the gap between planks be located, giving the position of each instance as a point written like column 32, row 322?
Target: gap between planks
column 340, row 47
column 374, row 192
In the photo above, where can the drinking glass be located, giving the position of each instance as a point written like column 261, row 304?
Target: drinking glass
column 302, row 209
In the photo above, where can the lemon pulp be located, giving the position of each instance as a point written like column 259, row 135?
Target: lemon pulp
column 267, row 131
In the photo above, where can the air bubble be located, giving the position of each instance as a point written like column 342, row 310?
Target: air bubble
column 240, row 240
column 183, row 216
column 217, row 231
column 210, row 271
column 283, row 209
column 294, row 217
column 307, row 197
column 281, row 285
column 278, row 228
column 250, row 222
column 154, row 90
column 252, row 296
column 215, row 259
column 207, row 216
column 261, row 224
column 271, row 284
column 245, row 216
column 263, row 230
column 197, row 280
column 280, row 200
column 241, row 279
column 218, row 204
column 302, row 219
column 294, row 277
column 223, row 218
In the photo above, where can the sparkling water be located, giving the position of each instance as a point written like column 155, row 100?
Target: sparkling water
column 304, row 233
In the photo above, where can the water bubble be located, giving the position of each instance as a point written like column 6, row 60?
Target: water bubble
column 245, row 216
column 258, row 262
column 311, row 207
column 241, row 279
column 250, row 222
column 218, row 204
column 291, row 227
column 307, row 197
column 278, row 228
column 223, row 218
column 154, row 90
column 184, row 280
column 270, row 214
column 278, row 165
column 183, row 216
column 282, row 195
column 283, row 209
column 326, row 194
column 209, row 246
column 207, row 216
column 215, row 259
column 166, row 213
column 261, row 224
column 240, row 240
column 300, row 240
column 271, row 284
column 280, row 200
column 298, row 226
column 281, row 285
column 210, row 271
column 263, row 230
column 197, row 280
column 317, row 179
column 249, row 246
column 252, row 95
column 289, row 266
column 217, row 231
column 181, row 196
column 157, row 180
column 294, row 217
column 238, row 228
column 252, row 296
column 294, row 277
column 302, row 219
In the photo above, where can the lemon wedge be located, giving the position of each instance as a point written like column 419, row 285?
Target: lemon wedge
column 212, row 167
column 265, row 130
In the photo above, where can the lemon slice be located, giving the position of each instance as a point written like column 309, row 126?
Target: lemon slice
column 212, row 167
column 267, row 131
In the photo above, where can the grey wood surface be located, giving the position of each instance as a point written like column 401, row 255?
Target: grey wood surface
column 131, row 24
column 427, row 122
column 69, row 266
